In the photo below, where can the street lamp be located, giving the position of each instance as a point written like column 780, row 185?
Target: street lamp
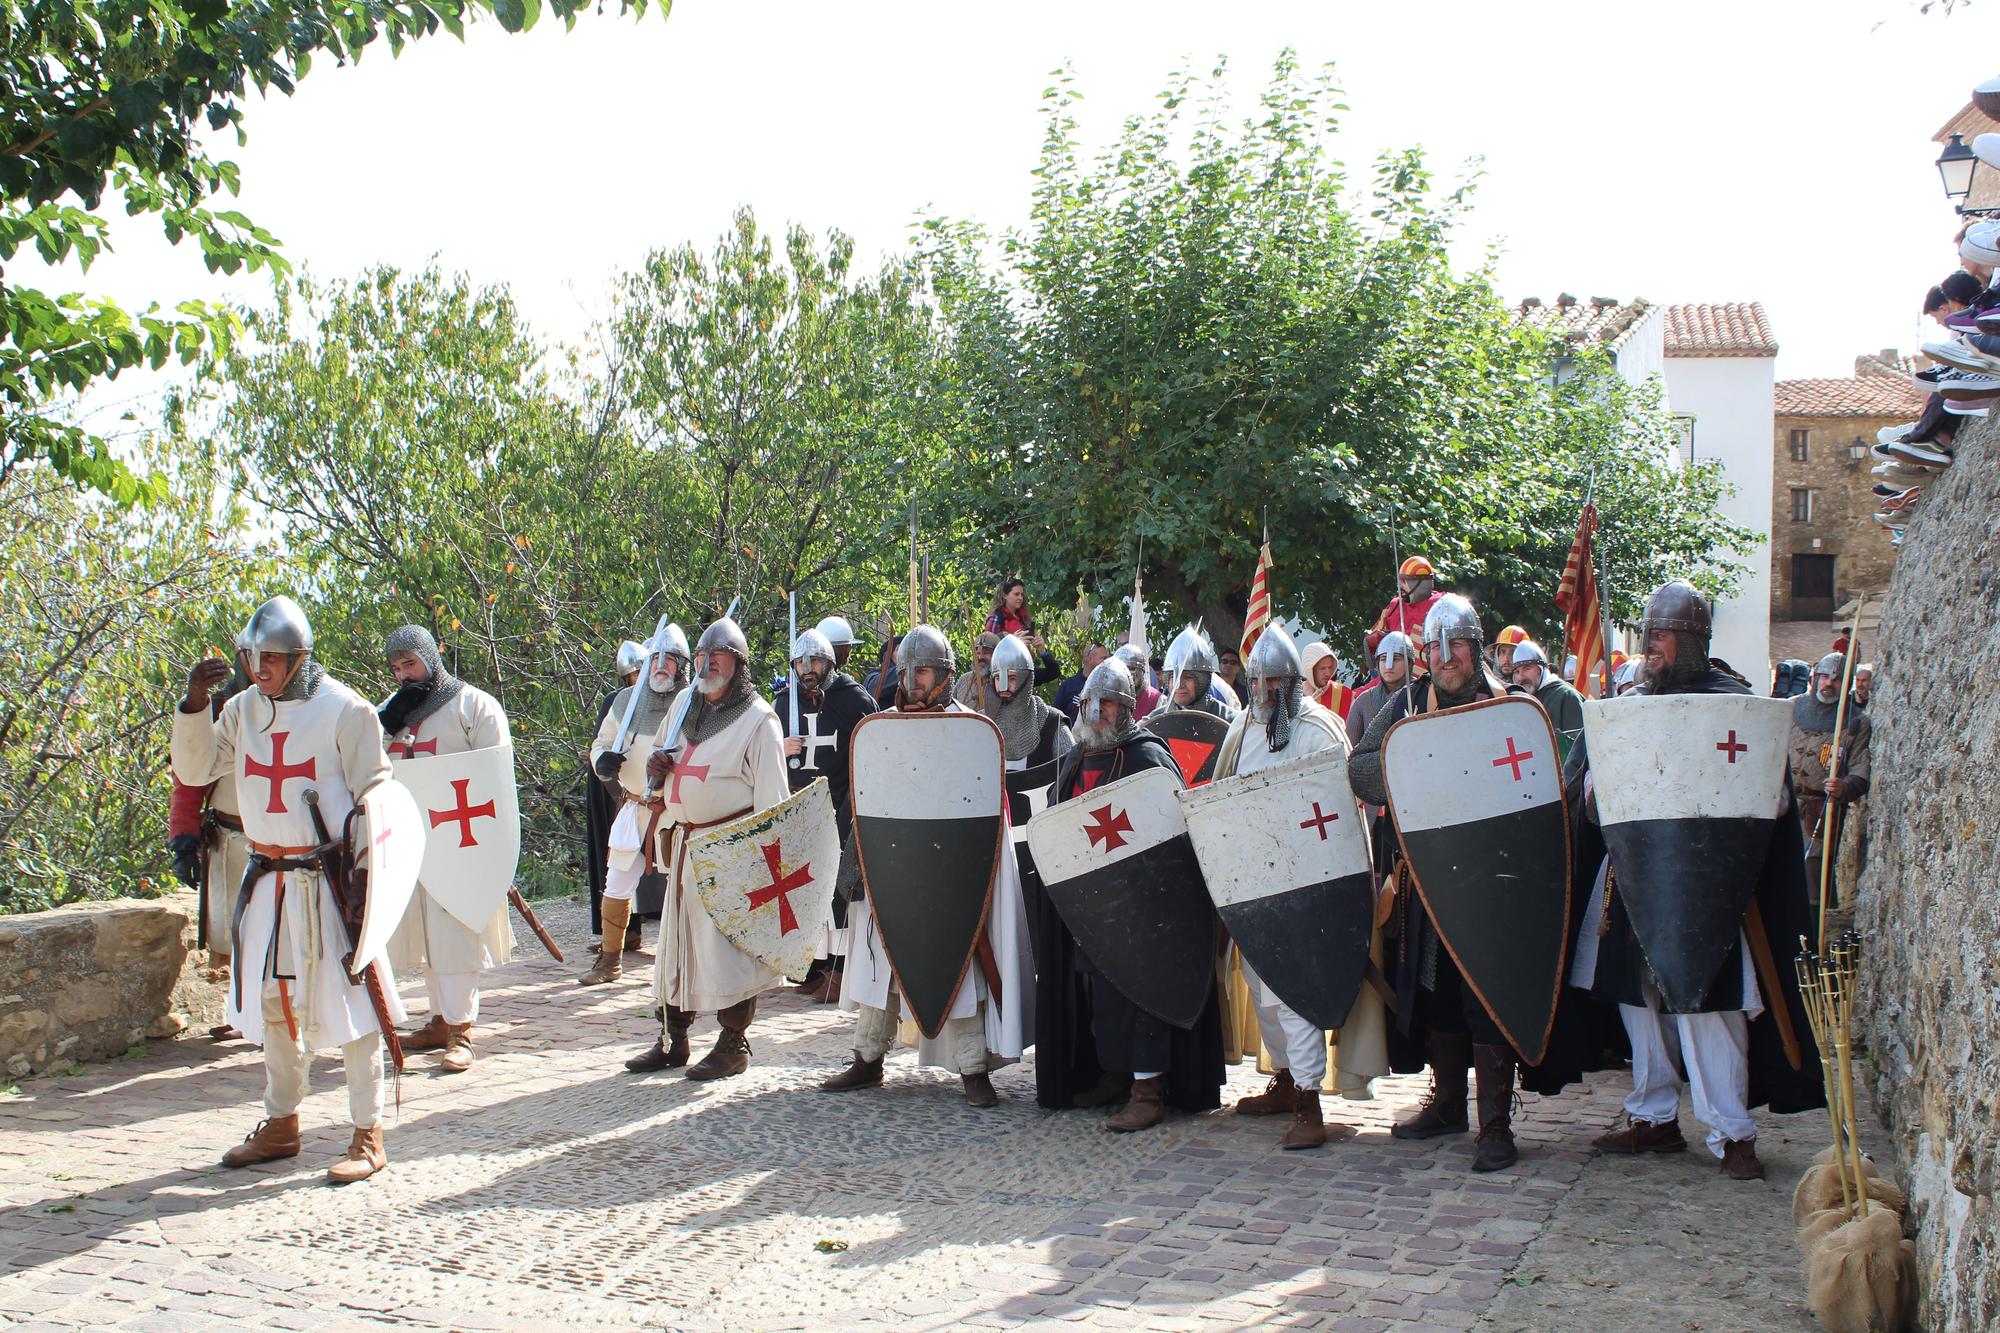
column 1857, row 453
column 1956, row 165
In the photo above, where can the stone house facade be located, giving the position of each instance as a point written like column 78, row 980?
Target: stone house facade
column 1826, row 547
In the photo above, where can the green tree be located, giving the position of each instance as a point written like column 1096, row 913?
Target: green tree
column 125, row 98
column 1196, row 335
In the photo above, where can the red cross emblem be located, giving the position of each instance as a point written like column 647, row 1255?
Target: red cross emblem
column 683, row 769
column 277, row 772
column 1514, row 757
column 1732, row 747
column 465, row 814
column 411, row 747
column 1319, row 821
column 781, row 885
column 1109, row 829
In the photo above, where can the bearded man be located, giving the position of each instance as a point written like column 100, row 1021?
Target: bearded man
column 619, row 758
column 1392, row 672
column 1824, row 800
column 434, row 712
column 829, row 703
column 1284, row 724
column 726, row 760
column 1557, row 696
column 299, row 730
column 1416, row 594
column 1093, row 1046
column 1032, row 731
column 982, row 1030
column 1188, row 678
column 1436, row 1011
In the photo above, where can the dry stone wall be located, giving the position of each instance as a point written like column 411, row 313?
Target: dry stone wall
column 92, row 980
column 1929, row 905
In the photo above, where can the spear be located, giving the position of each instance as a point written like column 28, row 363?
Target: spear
column 1825, row 825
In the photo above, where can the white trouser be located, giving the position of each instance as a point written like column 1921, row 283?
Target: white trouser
column 1716, row 1051
column 965, row 1038
column 288, row 1070
column 1294, row 1043
column 622, row 884
column 455, row 995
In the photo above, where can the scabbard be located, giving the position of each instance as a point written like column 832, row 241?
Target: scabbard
column 534, row 922
column 371, row 981
column 989, row 966
column 1767, row 976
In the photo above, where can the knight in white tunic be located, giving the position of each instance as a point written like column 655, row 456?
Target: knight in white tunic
column 434, row 712
column 981, row 1032
column 724, row 760
column 298, row 730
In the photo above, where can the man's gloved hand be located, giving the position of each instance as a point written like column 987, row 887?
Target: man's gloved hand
column 606, row 765
column 659, row 766
column 186, row 851
column 401, row 704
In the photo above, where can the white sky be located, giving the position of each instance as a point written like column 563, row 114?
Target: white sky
column 1773, row 150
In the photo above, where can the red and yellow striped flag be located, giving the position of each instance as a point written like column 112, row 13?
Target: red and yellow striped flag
column 1576, row 598
column 1260, row 601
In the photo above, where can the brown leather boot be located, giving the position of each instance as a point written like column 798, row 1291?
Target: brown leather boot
column 1638, row 1137
column 429, row 1037
column 979, row 1090
column 830, row 992
column 1146, row 1108
column 365, row 1156
column 1279, row 1097
column 860, row 1074
column 610, row 964
column 669, row 1049
column 457, row 1057
column 1739, row 1160
column 1443, row 1111
column 1109, row 1088
column 731, row 1055
column 1495, row 1148
column 273, row 1139
column 1308, row 1130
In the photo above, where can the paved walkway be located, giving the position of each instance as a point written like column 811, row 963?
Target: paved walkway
column 548, row 1188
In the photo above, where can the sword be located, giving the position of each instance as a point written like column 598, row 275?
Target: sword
column 332, row 864
column 632, row 702
column 1767, row 972
column 534, row 922
column 675, row 723
column 792, row 695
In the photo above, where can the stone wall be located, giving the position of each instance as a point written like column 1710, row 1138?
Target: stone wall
column 1929, row 907
column 1844, row 506
column 90, row 981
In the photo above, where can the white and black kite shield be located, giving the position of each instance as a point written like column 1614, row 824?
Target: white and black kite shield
column 1029, row 791
column 472, row 815
column 385, row 849
column 1116, row 863
column 1477, row 797
column 1285, row 854
column 1688, row 788
column 767, row 879
column 929, row 812
column 1193, row 738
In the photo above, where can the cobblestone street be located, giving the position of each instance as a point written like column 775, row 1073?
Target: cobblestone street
column 550, row 1188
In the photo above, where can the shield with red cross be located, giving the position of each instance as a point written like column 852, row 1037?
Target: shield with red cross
column 1285, row 854
column 1193, row 737
column 1688, row 788
column 472, row 822
column 1116, row 864
column 767, row 879
column 1477, row 798
column 385, row 847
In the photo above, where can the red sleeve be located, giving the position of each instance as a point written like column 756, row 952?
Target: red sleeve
column 184, row 809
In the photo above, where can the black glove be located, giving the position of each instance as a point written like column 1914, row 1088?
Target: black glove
column 401, row 704
column 608, row 764
column 186, row 851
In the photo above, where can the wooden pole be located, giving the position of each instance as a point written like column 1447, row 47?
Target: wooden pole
column 1827, row 823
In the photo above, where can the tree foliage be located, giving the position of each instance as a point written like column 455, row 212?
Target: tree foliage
column 128, row 99
column 1197, row 336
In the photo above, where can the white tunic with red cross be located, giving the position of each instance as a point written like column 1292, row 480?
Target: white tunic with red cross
column 277, row 750
column 430, row 936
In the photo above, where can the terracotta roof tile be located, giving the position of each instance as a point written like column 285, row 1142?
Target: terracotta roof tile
column 1864, row 396
column 1730, row 328
column 1602, row 320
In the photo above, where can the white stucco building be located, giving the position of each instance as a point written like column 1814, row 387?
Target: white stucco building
column 1717, row 363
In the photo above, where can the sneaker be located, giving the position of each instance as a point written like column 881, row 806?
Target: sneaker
column 1919, row 453
column 1966, row 385
column 1895, row 536
column 1895, row 520
column 1959, row 409
column 1897, row 504
column 1963, row 356
column 1986, row 321
column 1890, row 434
column 1905, row 473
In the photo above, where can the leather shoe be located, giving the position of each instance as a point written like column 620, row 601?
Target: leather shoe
column 1638, row 1137
column 979, row 1090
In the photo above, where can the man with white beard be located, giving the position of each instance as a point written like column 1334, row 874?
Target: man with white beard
column 629, row 850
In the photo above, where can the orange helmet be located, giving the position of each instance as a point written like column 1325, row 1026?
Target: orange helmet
column 1416, row 567
column 1510, row 636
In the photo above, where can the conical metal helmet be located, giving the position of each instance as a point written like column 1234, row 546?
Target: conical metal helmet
column 1190, row 651
column 724, row 636
column 1394, row 644
column 838, row 632
column 1452, row 617
column 630, row 657
column 811, row 643
column 1009, row 656
column 925, row 646
column 1680, row 606
column 673, row 641
column 1275, row 655
column 278, row 626
column 1107, row 680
